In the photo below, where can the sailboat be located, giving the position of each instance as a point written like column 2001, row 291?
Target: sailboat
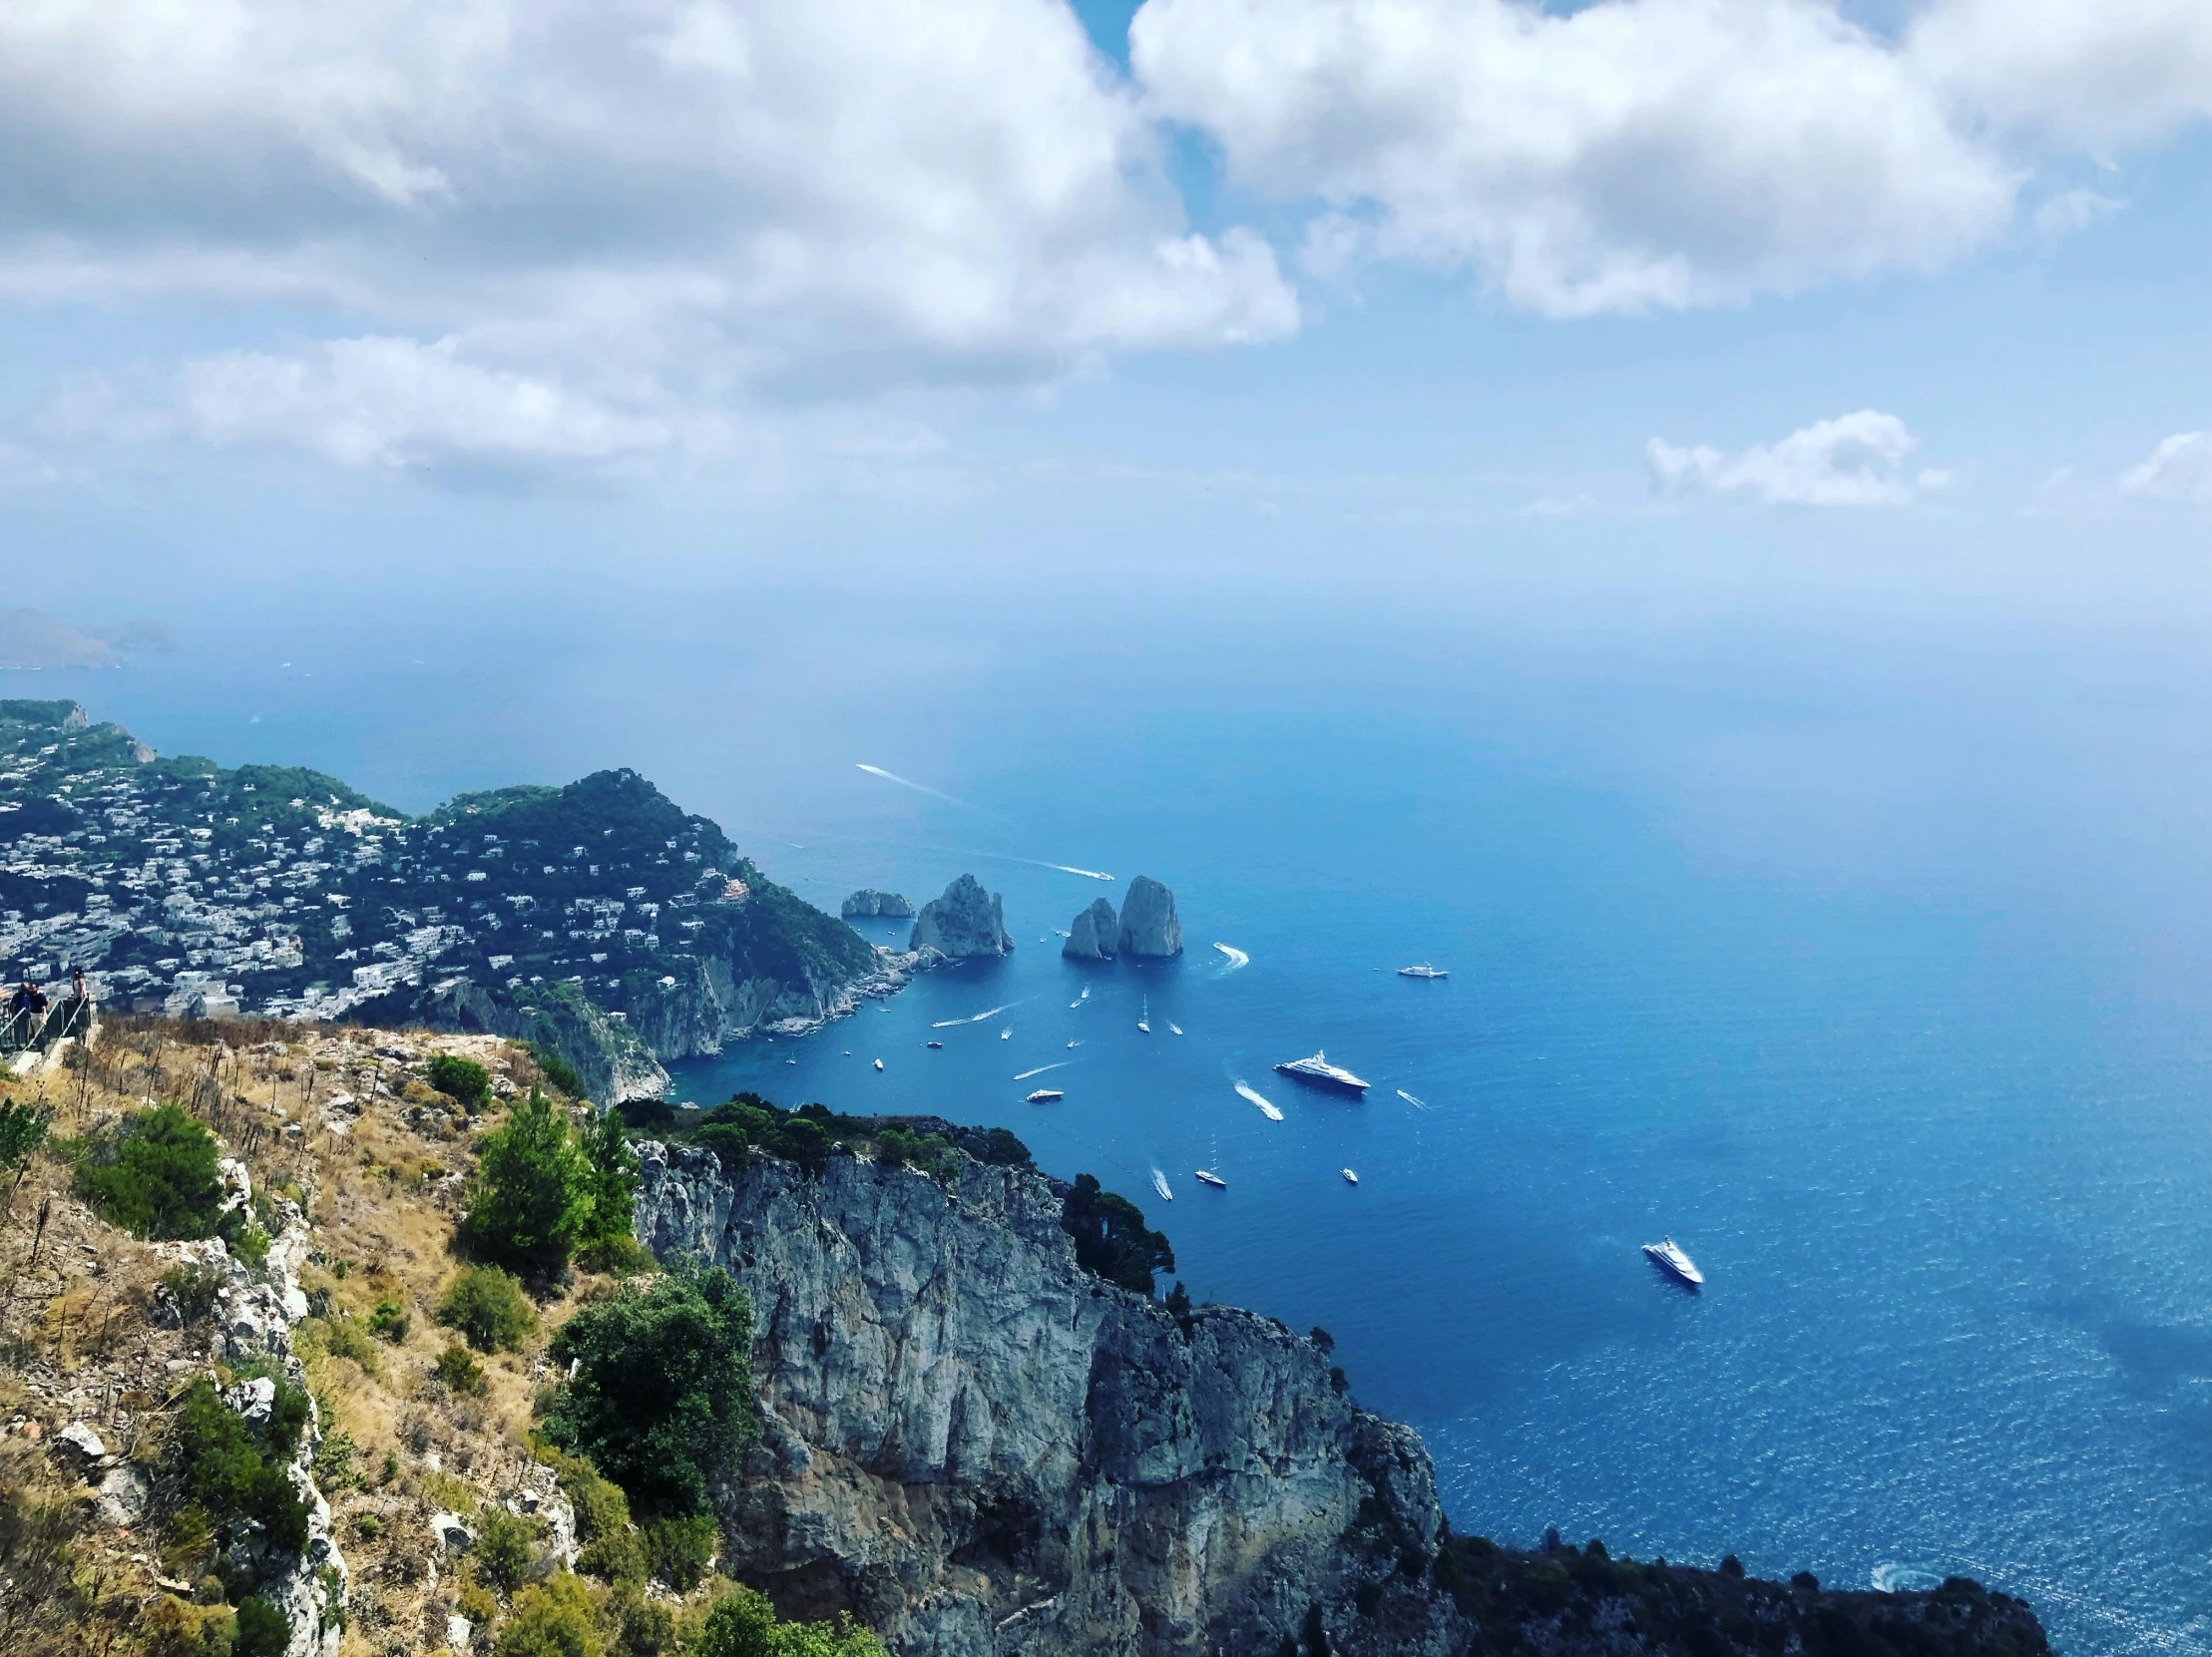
column 1144, row 1023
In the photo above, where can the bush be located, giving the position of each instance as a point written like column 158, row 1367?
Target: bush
column 155, row 1176
column 557, row 1070
column 489, row 1308
column 263, row 1630
column 22, row 1131
column 459, row 1371
column 506, row 1550
column 389, row 1319
column 661, row 1396
column 194, row 1290
column 229, row 1472
column 745, row 1625
column 1110, row 1236
column 679, row 1551
column 531, row 1204
column 554, row 1619
column 369, row 1527
column 462, row 1079
column 342, row 1336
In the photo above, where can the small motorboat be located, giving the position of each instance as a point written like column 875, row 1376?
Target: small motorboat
column 933, row 1044
column 1409, row 1100
column 791, row 1061
column 1159, row 1185
column 1669, row 1256
column 1423, row 970
column 1266, row 1107
column 1045, row 1095
column 1007, row 1034
column 1174, row 1029
column 1145, row 1018
column 1350, row 1178
column 879, row 1063
column 1204, row 1177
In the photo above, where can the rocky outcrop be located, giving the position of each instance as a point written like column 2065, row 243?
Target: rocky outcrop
column 965, row 922
column 1149, row 925
column 868, row 901
column 611, row 1057
column 1093, row 935
column 979, row 1448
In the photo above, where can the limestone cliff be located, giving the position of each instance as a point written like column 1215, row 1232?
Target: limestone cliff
column 868, row 901
column 1093, row 935
column 965, row 922
column 980, row 1448
column 1149, row 924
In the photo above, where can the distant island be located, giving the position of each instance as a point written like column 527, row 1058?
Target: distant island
column 30, row 639
column 597, row 921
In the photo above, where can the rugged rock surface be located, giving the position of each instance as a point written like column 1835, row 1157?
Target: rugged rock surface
column 979, row 1448
column 965, row 922
column 868, row 901
column 1093, row 935
column 1149, row 924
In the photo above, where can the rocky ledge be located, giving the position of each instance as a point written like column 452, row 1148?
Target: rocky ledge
column 964, row 923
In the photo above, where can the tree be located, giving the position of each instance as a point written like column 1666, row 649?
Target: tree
column 460, row 1078
column 661, row 1397
column 556, row 1618
column 608, row 1238
column 157, row 1177
column 263, row 1630
column 22, row 1131
column 531, row 1198
column 489, row 1308
column 745, row 1625
column 1110, row 1236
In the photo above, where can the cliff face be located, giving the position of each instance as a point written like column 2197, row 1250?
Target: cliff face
column 1092, row 935
column 868, row 901
column 980, row 1448
column 967, row 921
column 1148, row 923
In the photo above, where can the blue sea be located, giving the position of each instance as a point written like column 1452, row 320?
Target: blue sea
column 1871, row 960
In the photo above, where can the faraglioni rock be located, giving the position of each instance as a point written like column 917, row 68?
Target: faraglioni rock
column 1093, row 935
column 1149, row 924
column 965, row 922
column 868, row 901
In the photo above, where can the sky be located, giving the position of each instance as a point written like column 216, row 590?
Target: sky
column 1730, row 303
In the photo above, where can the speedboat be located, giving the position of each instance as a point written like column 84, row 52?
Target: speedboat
column 1145, row 1018
column 879, row 1063
column 1266, row 1108
column 1322, row 1074
column 933, row 1044
column 1159, row 1185
column 1174, row 1029
column 1423, row 970
column 1007, row 1034
column 1668, row 1256
column 1350, row 1178
column 1045, row 1095
column 1409, row 1100
column 1212, row 1179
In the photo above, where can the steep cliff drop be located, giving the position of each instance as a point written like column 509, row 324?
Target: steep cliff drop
column 964, row 923
column 1149, row 924
column 1093, row 935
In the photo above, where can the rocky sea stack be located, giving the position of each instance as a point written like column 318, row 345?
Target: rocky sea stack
column 965, row 922
column 1149, row 925
column 1093, row 935
column 868, row 901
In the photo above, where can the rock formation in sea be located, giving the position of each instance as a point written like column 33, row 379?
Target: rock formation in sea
column 1093, row 935
column 979, row 1448
column 967, row 921
column 868, row 901
column 1149, row 924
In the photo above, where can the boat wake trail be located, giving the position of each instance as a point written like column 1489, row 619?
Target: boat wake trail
column 1042, row 1068
column 1265, row 1109
column 992, row 1013
column 1409, row 1100
column 920, row 788
column 1238, row 957
column 1069, row 869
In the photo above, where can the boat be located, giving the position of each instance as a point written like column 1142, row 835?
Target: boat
column 1159, row 1185
column 1266, row 1108
column 1086, row 995
column 1322, row 1074
column 879, row 1063
column 1045, row 1095
column 1205, row 1177
column 1668, row 1256
column 1236, row 956
column 1423, row 970
column 1145, row 1018
column 1072, row 1006
column 1007, row 1034
column 1174, row 1029
column 934, row 1044
column 1075, row 1044
column 791, row 1061
column 1350, row 1178
column 1409, row 1100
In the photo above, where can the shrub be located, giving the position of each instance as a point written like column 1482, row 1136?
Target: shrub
column 488, row 1307
column 531, row 1202
column 679, row 1551
column 745, row 1625
column 554, row 1619
column 249, row 1243
column 662, row 1394
column 228, row 1472
column 557, row 1070
column 342, row 1336
column 263, row 1630
column 155, row 1176
column 932, row 1155
column 459, row 1371
column 506, row 1550
column 1110, row 1236
column 460, row 1078
column 389, row 1319
column 369, row 1527
column 194, row 1290
column 22, row 1131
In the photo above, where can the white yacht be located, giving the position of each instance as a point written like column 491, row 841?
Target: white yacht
column 879, row 1063
column 1322, row 1074
column 1206, row 1177
column 1045, row 1095
column 1668, row 1254
column 1423, row 970
column 1007, row 1034
column 1350, row 1178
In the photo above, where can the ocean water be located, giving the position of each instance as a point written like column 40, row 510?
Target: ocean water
column 1873, row 969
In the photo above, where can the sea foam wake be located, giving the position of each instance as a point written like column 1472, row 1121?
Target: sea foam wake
column 1265, row 1109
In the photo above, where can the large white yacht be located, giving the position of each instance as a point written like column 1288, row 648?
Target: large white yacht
column 1322, row 1074
column 1423, row 970
column 1668, row 1253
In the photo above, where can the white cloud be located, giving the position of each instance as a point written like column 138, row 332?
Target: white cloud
column 2073, row 210
column 2179, row 469
column 1853, row 460
column 1631, row 155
